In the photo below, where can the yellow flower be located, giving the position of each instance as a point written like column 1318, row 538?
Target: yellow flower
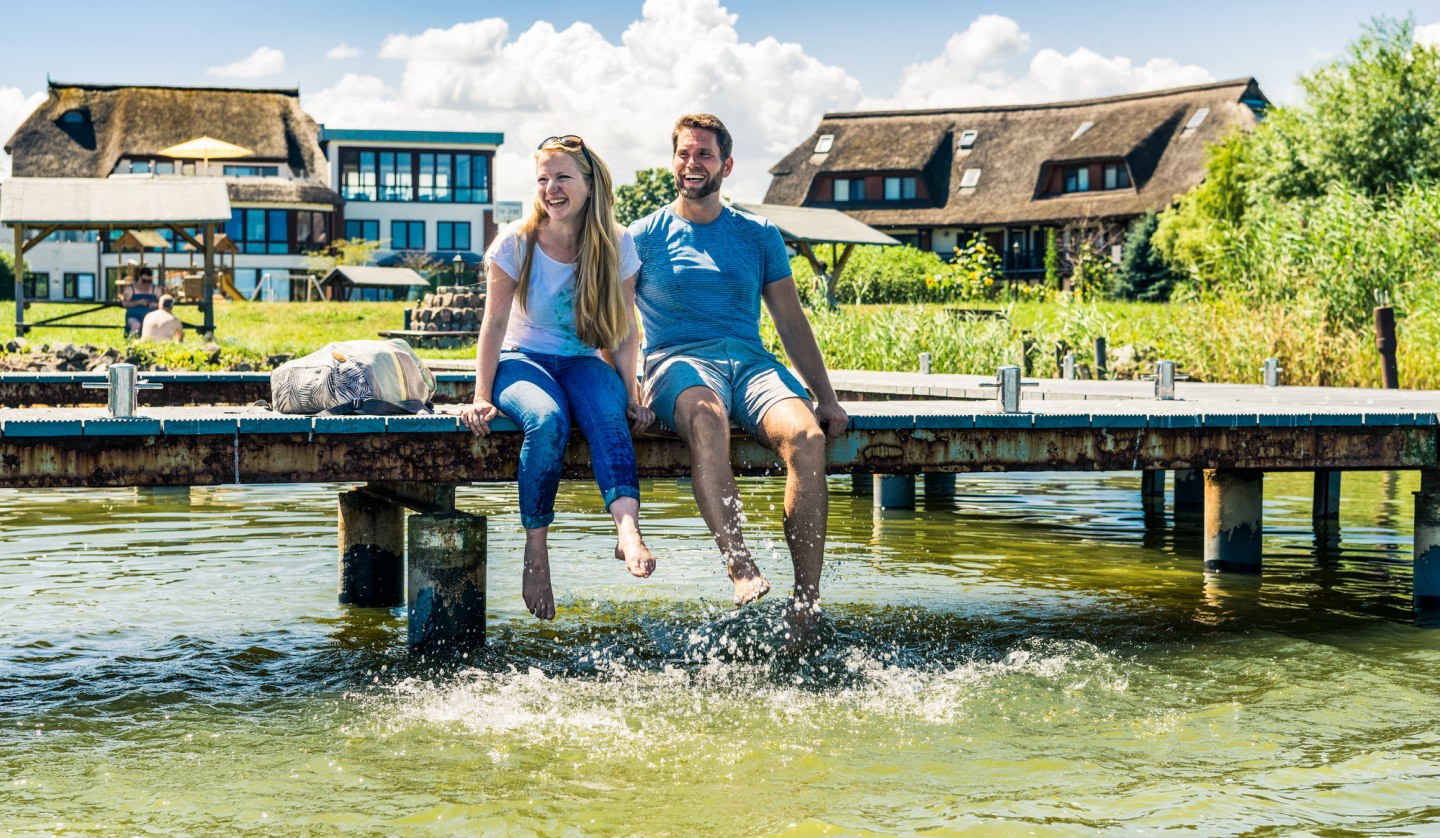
column 989, row 281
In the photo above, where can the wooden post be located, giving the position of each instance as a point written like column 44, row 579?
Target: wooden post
column 19, row 280
column 1233, row 519
column 1325, row 510
column 447, row 557
column 1427, row 542
column 1152, row 496
column 207, row 288
column 372, row 550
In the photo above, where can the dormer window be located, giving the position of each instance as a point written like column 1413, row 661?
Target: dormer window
column 1084, row 126
column 970, row 179
column 849, row 189
column 967, row 140
column 1117, row 176
column 74, row 117
column 822, row 145
column 899, row 188
column 1077, row 179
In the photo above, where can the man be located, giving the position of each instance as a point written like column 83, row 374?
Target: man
column 162, row 324
column 705, row 269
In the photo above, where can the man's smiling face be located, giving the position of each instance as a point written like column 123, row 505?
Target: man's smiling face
column 697, row 165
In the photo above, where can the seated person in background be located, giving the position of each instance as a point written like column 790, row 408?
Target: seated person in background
column 139, row 298
column 161, row 324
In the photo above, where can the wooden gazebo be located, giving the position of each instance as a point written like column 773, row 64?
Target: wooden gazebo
column 804, row 227
column 135, row 205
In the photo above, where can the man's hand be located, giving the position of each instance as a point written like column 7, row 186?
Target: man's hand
column 641, row 417
column 832, row 418
column 477, row 416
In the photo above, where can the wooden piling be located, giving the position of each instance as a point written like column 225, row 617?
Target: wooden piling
column 1233, row 519
column 1427, row 542
column 447, row 556
column 372, row 550
column 1325, row 512
column 1152, row 494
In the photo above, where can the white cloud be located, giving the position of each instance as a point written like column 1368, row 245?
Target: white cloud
column 340, row 52
column 264, row 61
column 972, row 71
column 15, row 106
column 1429, row 34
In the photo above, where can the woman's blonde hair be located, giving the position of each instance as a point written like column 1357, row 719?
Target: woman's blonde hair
column 600, row 317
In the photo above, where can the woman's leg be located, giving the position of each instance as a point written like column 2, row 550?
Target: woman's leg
column 528, row 394
column 597, row 403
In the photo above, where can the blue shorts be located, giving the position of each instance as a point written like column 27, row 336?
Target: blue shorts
column 748, row 379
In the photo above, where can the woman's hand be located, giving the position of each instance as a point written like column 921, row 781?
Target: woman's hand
column 641, row 417
column 477, row 416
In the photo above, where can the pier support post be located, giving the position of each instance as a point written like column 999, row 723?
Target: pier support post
column 372, row 550
column 1326, row 509
column 1152, row 495
column 1427, row 542
column 939, row 486
column 862, row 483
column 447, row 580
column 1233, row 519
column 1189, row 490
column 894, row 491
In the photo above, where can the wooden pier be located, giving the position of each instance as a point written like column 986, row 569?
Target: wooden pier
column 1216, row 440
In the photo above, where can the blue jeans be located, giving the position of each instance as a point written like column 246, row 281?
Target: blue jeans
column 543, row 394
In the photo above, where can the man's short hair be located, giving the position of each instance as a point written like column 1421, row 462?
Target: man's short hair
column 709, row 122
column 167, row 302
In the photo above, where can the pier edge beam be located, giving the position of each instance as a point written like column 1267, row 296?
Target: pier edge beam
column 372, row 550
column 1427, row 543
column 1233, row 519
column 447, row 557
column 894, row 491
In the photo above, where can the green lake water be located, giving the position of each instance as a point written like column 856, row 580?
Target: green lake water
column 1023, row 659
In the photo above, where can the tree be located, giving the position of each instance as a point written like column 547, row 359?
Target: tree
column 7, row 276
column 1143, row 274
column 652, row 189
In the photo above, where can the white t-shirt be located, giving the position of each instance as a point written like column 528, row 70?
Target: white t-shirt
column 548, row 323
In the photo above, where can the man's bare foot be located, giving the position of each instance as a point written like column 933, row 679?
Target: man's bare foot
column 637, row 557
column 535, row 587
column 750, row 583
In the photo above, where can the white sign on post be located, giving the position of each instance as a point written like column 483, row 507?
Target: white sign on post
column 507, row 211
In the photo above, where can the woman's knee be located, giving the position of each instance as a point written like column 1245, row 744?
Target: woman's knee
column 547, row 427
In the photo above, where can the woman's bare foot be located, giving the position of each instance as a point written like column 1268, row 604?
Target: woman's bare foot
column 637, row 557
column 535, row 587
column 750, row 583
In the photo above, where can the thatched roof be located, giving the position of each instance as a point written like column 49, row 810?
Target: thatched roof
column 1015, row 148
column 273, row 190
column 135, row 121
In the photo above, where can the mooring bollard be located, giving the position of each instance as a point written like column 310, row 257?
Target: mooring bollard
column 1067, row 367
column 924, row 363
column 1272, row 372
column 1234, row 500
column 1385, row 341
column 122, row 380
column 1164, row 378
column 447, row 580
column 1008, row 384
column 372, row 550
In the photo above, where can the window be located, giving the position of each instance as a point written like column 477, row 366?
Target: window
column 367, row 230
column 378, row 175
column 312, row 229
column 252, row 171
column 1084, row 126
column 37, row 286
column 1198, row 118
column 842, row 189
column 452, row 235
column 899, row 188
column 167, row 168
column 822, row 145
column 1116, row 176
column 75, row 117
column 259, row 230
column 78, row 287
column 967, row 139
column 1077, row 179
column 407, row 235
column 849, row 189
column 970, row 179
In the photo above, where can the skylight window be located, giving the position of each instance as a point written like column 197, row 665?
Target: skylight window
column 822, row 145
column 1198, row 118
column 970, row 179
column 967, row 139
column 1084, row 126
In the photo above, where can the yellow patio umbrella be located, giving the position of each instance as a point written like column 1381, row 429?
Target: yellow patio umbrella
column 204, row 148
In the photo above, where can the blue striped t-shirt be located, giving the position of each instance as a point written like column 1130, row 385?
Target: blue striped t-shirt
column 699, row 282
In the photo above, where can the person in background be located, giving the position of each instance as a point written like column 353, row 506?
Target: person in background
column 139, row 298
column 162, row 324
column 559, row 311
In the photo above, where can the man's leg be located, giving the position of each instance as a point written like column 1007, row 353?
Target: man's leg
column 701, row 421
column 789, row 428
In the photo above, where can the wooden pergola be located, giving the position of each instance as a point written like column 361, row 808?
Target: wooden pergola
column 805, row 227
column 134, row 205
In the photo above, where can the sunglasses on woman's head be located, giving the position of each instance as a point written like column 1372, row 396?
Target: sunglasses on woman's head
column 569, row 142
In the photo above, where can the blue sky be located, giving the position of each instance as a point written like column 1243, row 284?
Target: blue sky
column 618, row 73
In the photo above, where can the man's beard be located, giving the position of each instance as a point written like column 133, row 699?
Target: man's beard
column 710, row 187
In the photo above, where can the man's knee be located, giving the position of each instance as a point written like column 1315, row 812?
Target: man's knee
column 700, row 416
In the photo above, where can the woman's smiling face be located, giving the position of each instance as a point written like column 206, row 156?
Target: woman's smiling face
column 559, row 185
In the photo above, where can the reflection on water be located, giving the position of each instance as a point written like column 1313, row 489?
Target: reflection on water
column 1025, row 654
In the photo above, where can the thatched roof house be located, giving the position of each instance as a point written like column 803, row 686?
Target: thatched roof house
column 90, row 130
column 924, row 172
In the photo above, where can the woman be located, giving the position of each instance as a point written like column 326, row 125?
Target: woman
column 139, row 299
column 561, row 302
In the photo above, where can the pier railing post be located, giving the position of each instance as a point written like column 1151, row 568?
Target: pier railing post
column 1233, row 519
column 447, row 557
column 1427, row 542
column 372, row 550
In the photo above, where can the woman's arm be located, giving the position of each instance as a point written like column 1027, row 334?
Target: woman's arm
column 500, row 292
column 626, row 358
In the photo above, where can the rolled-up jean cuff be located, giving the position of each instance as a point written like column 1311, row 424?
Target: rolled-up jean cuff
column 535, row 522
column 611, row 495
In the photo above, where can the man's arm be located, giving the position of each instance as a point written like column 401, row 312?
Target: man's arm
column 783, row 303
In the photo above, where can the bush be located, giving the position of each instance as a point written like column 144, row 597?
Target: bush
column 1143, row 274
column 876, row 274
column 7, row 276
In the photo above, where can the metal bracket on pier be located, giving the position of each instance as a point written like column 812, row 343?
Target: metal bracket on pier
column 1007, row 380
column 122, row 380
column 1165, row 378
column 1272, row 370
column 1067, row 366
column 924, row 363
